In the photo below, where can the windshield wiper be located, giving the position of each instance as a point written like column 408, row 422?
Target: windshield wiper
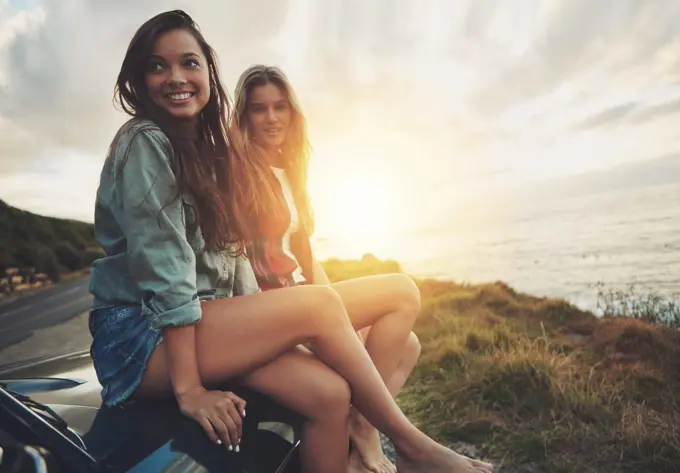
column 47, row 426
column 42, row 410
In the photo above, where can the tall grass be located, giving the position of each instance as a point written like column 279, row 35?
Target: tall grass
column 541, row 386
column 650, row 306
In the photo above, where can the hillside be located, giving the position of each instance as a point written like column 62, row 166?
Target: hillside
column 537, row 385
column 49, row 245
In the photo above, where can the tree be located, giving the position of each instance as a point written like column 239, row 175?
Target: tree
column 26, row 254
column 4, row 260
column 48, row 263
column 92, row 254
column 68, row 255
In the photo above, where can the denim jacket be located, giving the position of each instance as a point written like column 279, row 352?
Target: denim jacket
column 152, row 258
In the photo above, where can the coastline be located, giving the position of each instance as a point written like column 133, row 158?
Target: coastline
column 536, row 384
column 531, row 383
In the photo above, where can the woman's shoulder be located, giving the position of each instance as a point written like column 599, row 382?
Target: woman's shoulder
column 140, row 131
column 134, row 127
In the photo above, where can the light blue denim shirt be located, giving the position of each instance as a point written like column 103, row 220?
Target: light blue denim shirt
column 151, row 258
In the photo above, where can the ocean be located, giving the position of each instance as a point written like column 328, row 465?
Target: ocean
column 558, row 247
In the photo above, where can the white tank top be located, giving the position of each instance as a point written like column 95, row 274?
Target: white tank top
column 294, row 219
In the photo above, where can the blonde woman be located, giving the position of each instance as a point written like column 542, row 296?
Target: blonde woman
column 383, row 309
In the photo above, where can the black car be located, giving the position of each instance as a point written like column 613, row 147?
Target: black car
column 52, row 420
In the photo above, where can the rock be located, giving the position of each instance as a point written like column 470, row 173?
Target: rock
column 388, row 448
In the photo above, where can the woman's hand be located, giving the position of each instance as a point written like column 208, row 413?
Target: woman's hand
column 220, row 413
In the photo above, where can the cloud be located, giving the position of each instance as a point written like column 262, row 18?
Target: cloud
column 13, row 23
column 598, row 49
column 606, row 117
column 475, row 88
column 58, row 77
column 655, row 112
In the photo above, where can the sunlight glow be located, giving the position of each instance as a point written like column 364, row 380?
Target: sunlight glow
column 356, row 211
column 363, row 207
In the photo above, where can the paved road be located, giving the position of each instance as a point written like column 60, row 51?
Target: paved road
column 51, row 306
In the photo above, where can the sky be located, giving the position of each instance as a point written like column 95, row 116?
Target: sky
column 412, row 105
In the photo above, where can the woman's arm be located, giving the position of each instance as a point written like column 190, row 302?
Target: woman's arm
column 163, row 265
column 320, row 276
column 180, row 352
column 160, row 258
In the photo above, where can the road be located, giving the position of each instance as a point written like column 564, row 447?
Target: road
column 45, row 308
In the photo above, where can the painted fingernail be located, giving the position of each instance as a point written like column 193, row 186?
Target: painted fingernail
column 237, row 449
column 243, row 413
column 230, row 448
column 219, row 442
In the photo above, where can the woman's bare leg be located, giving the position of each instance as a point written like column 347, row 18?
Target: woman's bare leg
column 407, row 362
column 389, row 304
column 406, row 365
column 301, row 382
column 361, row 428
column 259, row 328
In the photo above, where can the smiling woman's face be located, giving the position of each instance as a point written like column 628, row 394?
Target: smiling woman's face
column 269, row 116
column 177, row 75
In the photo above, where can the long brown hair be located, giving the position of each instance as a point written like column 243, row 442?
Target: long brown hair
column 296, row 149
column 206, row 161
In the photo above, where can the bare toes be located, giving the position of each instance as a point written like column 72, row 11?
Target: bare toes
column 482, row 464
column 388, row 468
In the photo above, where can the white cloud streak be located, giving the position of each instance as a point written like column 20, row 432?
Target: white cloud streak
column 437, row 91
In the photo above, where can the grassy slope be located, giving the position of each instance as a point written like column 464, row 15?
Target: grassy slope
column 538, row 383
column 29, row 239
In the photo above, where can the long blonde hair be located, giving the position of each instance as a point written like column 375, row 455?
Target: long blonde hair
column 296, row 149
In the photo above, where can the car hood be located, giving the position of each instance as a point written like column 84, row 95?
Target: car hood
column 150, row 436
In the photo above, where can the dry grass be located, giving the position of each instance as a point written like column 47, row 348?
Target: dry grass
column 540, row 384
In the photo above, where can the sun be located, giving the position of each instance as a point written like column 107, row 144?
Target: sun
column 363, row 205
column 355, row 207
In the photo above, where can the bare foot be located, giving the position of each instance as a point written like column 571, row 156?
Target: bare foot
column 479, row 463
column 367, row 447
column 443, row 460
column 355, row 464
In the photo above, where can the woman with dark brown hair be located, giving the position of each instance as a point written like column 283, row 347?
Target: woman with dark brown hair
column 177, row 310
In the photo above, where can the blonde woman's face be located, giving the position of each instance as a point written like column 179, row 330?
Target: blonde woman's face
column 268, row 116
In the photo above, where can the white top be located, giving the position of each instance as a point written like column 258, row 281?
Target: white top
column 294, row 219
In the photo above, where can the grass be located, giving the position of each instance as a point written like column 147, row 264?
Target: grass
column 650, row 306
column 540, row 385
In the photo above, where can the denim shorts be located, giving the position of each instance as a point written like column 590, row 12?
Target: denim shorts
column 122, row 342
